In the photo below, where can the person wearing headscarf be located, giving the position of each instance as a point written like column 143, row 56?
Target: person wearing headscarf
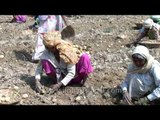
column 46, row 23
column 141, row 85
column 150, row 29
column 62, row 62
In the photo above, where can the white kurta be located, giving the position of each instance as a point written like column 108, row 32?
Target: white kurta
column 144, row 83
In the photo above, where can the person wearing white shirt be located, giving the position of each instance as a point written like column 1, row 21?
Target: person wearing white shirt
column 61, row 62
column 141, row 85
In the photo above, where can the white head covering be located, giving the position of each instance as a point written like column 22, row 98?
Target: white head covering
column 148, row 23
column 142, row 50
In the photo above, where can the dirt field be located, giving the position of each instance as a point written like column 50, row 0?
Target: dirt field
column 105, row 34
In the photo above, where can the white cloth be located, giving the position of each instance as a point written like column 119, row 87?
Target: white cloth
column 144, row 82
column 47, row 23
column 145, row 79
column 39, row 48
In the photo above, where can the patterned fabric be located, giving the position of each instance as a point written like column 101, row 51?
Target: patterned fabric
column 20, row 18
column 67, row 52
column 50, row 23
column 52, row 38
column 66, row 49
column 47, row 23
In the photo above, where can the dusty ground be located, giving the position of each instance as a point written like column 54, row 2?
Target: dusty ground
column 105, row 34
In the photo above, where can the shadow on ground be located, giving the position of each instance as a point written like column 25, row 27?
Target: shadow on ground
column 23, row 55
column 30, row 80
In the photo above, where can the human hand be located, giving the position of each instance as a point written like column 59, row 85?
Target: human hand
column 127, row 98
column 39, row 87
column 142, row 101
column 55, row 87
column 130, row 45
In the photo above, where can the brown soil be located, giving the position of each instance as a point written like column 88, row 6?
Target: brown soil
column 105, row 34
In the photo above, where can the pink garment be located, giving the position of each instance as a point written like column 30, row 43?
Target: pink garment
column 20, row 18
column 83, row 68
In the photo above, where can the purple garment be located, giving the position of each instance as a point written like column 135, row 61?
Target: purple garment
column 20, row 18
column 43, row 17
column 50, row 23
column 83, row 68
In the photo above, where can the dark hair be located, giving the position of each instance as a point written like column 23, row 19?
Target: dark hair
column 137, row 56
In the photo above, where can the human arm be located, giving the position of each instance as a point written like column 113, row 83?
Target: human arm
column 125, row 84
column 155, row 94
column 142, row 33
column 125, row 89
column 38, row 73
column 71, row 69
column 70, row 75
column 127, row 97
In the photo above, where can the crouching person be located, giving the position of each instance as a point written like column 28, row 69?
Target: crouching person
column 142, row 82
column 61, row 62
column 150, row 29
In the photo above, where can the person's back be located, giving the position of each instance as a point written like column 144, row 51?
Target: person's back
column 154, row 32
column 47, row 23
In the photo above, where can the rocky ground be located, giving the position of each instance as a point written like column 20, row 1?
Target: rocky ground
column 105, row 34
